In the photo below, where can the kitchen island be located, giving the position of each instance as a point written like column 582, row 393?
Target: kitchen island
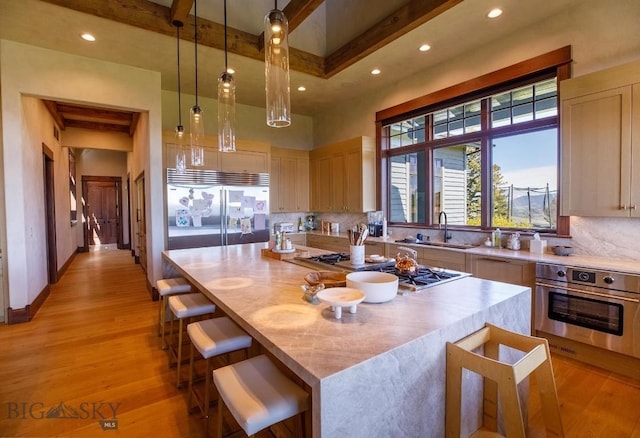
column 377, row 373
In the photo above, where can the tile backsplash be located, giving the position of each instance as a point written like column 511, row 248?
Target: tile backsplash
column 594, row 236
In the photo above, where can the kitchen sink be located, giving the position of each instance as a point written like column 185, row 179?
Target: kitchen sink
column 446, row 245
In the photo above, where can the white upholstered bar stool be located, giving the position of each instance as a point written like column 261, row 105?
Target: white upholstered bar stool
column 212, row 337
column 500, row 382
column 185, row 307
column 167, row 287
column 258, row 395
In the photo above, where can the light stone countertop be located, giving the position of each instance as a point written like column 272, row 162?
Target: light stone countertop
column 577, row 260
column 343, row 360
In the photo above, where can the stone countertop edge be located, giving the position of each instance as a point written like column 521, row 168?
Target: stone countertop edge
column 267, row 301
column 577, row 260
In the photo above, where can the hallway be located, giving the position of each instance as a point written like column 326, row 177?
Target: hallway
column 91, row 350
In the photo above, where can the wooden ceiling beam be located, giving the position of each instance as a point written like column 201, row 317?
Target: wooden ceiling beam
column 98, row 126
column 180, row 11
column 296, row 12
column 402, row 21
column 156, row 18
column 53, row 110
column 95, row 113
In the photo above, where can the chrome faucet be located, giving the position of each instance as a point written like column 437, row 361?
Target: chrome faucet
column 447, row 235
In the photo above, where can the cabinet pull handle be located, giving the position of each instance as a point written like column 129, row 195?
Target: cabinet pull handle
column 633, row 207
column 624, row 207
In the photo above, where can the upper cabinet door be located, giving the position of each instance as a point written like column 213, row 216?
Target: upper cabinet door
column 244, row 161
column 596, row 153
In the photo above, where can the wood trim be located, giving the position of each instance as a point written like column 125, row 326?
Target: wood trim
column 26, row 314
column 48, row 177
column 155, row 296
column 538, row 64
column 64, row 268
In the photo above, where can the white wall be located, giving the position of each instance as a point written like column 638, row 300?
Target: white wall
column 29, row 71
column 250, row 122
column 90, row 138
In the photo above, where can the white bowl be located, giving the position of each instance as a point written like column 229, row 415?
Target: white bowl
column 378, row 287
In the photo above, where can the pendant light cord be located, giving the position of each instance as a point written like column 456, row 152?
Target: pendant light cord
column 195, row 37
column 179, row 98
column 225, row 37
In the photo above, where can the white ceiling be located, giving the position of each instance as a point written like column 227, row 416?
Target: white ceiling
column 453, row 33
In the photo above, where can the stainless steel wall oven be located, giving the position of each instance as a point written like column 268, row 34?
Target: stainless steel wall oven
column 595, row 307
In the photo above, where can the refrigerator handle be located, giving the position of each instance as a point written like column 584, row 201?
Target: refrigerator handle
column 223, row 217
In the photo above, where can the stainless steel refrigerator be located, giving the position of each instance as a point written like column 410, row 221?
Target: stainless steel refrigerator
column 214, row 208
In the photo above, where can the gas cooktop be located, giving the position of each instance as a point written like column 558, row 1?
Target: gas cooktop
column 424, row 277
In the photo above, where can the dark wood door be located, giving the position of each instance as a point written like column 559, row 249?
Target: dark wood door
column 102, row 206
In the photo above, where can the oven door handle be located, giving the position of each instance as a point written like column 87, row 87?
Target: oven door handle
column 593, row 294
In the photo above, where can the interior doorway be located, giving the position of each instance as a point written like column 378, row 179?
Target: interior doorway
column 50, row 214
column 102, row 197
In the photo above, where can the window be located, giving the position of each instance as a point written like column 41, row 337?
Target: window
column 487, row 158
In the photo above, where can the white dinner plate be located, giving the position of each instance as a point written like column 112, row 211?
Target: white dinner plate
column 341, row 296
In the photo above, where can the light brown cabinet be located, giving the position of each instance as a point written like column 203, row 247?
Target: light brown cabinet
column 244, row 162
column 211, row 157
column 343, row 176
column 329, row 243
column 600, row 150
column 520, row 272
column 289, row 180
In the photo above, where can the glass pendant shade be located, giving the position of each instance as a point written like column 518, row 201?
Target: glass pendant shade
column 181, row 156
column 226, row 113
column 197, row 136
column 276, row 69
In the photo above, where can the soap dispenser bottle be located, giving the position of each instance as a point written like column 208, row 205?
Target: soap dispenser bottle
column 497, row 238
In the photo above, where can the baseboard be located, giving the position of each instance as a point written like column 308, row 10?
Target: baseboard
column 64, row 268
column 26, row 314
column 155, row 296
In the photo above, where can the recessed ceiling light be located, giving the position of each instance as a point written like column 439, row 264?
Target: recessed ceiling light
column 88, row 37
column 302, row 88
column 424, row 47
column 494, row 13
column 375, row 71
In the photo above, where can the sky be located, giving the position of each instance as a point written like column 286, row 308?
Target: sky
column 528, row 160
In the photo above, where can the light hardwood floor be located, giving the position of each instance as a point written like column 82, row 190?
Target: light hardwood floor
column 93, row 347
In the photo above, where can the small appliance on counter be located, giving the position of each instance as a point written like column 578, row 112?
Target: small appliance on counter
column 310, row 223
column 286, row 227
column 374, row 220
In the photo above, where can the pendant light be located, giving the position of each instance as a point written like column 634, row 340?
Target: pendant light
column 226, row 102
column 196, row 121
column 181, row 158
column 276, row 68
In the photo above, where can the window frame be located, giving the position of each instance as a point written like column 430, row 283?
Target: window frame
column 553, row 64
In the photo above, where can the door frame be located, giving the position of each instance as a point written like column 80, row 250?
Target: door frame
column 48, row 168
column 117, row 181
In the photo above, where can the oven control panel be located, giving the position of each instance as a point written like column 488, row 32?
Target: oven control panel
column 627, row 282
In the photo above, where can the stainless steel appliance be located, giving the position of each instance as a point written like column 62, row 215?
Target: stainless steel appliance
column 286, row 227
column 423, row 278
column 595, row 307
column 212, row 208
